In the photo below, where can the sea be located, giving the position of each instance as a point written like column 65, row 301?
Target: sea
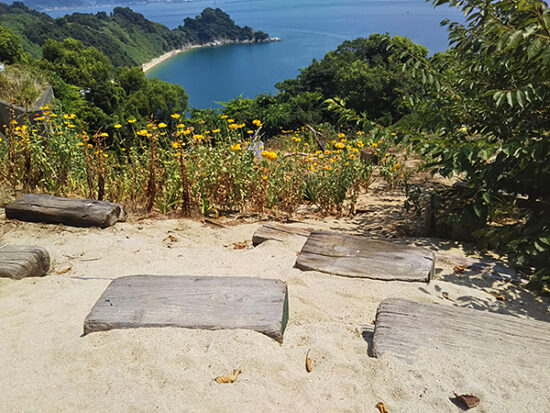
column 309, row 29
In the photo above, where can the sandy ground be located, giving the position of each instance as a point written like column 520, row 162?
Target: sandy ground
column 168, row 55
column 47, row 366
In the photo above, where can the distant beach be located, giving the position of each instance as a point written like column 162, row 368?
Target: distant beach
column 168, row 55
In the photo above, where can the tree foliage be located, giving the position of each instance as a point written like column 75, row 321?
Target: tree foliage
column 10, row 49
column 488, row 102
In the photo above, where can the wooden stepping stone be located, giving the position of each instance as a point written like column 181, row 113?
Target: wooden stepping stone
column 74, row 212
column 209, row 303
column 278, row 233
column 358, row 256
column 404, row 328
column 20, row 261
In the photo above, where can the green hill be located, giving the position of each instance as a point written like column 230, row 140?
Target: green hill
column 125, row 37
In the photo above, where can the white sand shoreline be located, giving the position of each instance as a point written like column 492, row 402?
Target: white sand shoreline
column 168, row 55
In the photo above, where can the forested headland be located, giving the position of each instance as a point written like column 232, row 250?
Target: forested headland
column 478, row 113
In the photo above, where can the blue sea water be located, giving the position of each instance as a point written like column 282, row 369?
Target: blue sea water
column 310, row 28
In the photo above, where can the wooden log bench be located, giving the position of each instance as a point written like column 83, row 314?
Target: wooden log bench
column 359, row 256
column 209, row 303
column 21, row 261
column 74, row 212
column 404, row 328
column 276, row 232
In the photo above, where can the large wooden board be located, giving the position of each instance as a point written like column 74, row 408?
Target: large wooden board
column 75, row 212
column 20, row 261
column 209, row 303
column 404, row 328
column 358, row 256
column 276, row 232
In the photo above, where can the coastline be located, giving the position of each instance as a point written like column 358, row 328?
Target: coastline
column 168, row 55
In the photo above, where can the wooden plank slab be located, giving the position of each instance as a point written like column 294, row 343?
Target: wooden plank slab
column 358, row 256
column 209, row 303
column 20, row 261
column 276, row 232
column 404, row 328
column 75, row 212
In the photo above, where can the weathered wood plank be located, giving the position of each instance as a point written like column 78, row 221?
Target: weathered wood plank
column 210, row 303
column 404, row 328
column 20, row 261
column 358, row 256
column 75, row 212
column 275, row 232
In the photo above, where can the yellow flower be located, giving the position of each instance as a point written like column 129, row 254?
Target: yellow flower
column 142, row 132
column 175, row 115
column 89, row 146
column 240, row 125
column 269, row 155
column 257, row 122
column 201, row 122
column 13, row 122
column 118, row 126
column 236, row 147
column 341, row 135
column 186, row 132
column 264, row 178
column 250, row 132
column 162, row 125
column 123, row 149
column 104, row 135
column 175, row 145
column 69, row 116
column 207, row 132
column 360, row 144
column 46, row 107
column 374, row 144
column 53, row 115
column 39, row 118
column 70, row 125
column 180, row 126
column 177, row 154
column 223, row 116
column 340, row 145
column 396, row 166
column 230, row 120
column 198, row 137
column 105, row 155
column 233, row 126
column 216, row 131
column 131, row 120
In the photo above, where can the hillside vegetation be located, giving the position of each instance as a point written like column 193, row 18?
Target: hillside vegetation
column 125, row 37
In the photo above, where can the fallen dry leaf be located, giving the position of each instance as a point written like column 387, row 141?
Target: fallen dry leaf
column 381, row 407
column 66, row 270
column 468, row 400
column 308, row 363
column 229, row 378
column 445, row 295
column 459, row 269
column 240, row 245
column 499, row 297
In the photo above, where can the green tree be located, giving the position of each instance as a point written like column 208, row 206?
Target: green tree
column 76, row 64
column 10, row 49
column 488, row 100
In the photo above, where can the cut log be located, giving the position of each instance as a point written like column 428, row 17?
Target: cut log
column 21, row 261
column 275, row 232
column 403, row 328
column 209, row 303
column 358, row 256
column 74, row 212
